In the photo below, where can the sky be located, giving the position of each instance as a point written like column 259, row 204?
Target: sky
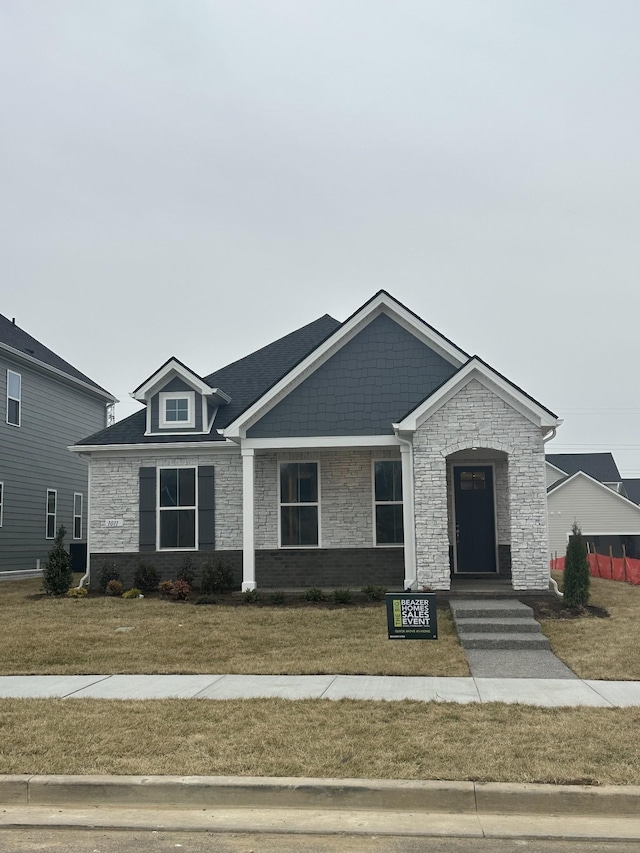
column 198, row 178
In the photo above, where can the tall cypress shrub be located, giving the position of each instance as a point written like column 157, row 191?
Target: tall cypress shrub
column 576, row 570
column 57, row 576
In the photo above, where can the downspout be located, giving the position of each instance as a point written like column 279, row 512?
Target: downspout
column 409, row 585
column 86, row 577
column 553, row 583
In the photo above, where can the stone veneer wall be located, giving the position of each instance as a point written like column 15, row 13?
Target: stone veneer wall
column 477, row 417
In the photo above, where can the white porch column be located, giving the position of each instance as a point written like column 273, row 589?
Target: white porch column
column 408, row 515
column 248, row 543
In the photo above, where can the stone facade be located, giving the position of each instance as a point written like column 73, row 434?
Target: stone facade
column 477, row 417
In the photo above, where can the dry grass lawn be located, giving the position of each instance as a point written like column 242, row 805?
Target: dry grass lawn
column 601, row 648
column 70, row 636
column 276, row 737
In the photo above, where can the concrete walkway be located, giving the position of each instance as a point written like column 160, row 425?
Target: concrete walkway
column 546, row 692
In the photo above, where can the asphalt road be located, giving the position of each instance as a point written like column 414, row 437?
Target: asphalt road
column 100, row 841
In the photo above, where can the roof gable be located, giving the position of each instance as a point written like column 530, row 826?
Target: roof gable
column 600, row 466
column 602, row 490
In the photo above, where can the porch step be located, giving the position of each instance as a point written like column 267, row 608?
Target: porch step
column 497, row 624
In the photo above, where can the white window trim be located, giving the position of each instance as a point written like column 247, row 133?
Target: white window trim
column 18, row 400
column 317, row 504
column 1, row 502
column 76, row 515
column 160, row 509
column 48, row 514
column 376, row 503
column 164, row 396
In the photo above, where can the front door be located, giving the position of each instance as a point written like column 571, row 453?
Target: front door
column 475, row 530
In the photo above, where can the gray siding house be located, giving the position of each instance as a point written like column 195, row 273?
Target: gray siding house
column 372, row 451
column 48, row 405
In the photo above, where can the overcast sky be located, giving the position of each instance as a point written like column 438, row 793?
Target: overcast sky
column 198, row 178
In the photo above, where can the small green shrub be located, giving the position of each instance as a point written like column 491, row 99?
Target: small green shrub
column 181, row 591
column 146, row 577
column 577, row 576
column 251, row 596
column 57, row 576
column 188, row 571
column 166, row 589
column 205, row 599
column 217, row 576
column 77, row 592
column 109, row 572
column 314, row 594
column 277, row 598
column 343, row 596
column 134, row 592
column 375, row 593
column 114, row 588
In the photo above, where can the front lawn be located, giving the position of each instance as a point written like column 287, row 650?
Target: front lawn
column 79, row 636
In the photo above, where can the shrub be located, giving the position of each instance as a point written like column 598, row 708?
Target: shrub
column 205, row 599
column 181, row 591
column 132, row 593
column 251, row 596
column 108, row 573
column 217, row 576
column 375, row 593
column 576, row 570
column 342, row 596
column 77, row 592
column 277, row 598
column 146, row 577
column 188, row 571
column 314, row 594
column 114, row 588
column 57, row 576
column 166, row 589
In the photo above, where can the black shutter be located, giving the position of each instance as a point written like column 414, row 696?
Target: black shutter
column 206, row 529
column 147, row 509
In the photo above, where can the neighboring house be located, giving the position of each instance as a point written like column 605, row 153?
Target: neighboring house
column 369, row 451
column 48, row 405
column 588, row 488
column 632, row 490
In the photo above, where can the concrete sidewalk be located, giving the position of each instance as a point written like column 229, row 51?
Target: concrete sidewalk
column 551, row 692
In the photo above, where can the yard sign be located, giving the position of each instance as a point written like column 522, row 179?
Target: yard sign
column 411, row 616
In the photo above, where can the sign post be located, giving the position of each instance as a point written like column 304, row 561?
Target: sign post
column 411, row 616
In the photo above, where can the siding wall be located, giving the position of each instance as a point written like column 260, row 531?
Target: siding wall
column 594, row 508
column 34, row 458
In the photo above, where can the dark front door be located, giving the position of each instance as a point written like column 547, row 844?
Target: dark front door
column 475, row 519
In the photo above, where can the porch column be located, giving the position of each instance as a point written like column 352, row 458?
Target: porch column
column 248, row 543
column 408, row 516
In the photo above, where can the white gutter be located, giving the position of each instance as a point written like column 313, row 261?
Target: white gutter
column 86, row 578
column 553, row 583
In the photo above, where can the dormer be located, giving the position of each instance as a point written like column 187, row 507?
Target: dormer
column 179, row 401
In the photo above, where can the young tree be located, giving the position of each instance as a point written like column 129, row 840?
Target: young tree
column 57, row 576
column 576, row 570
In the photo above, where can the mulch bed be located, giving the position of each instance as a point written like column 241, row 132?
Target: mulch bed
column 554, row 608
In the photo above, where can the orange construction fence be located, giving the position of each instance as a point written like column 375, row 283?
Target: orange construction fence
column 608, row 567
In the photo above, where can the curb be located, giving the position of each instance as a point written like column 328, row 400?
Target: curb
column 239, row 792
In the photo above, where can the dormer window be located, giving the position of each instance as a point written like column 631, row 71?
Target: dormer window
column 177, row 409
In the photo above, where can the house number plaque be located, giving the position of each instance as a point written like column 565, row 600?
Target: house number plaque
column 114, row 522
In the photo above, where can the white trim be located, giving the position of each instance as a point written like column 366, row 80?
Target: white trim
column 17, row 400
column 377, row 503
column 316, row 503
column 382, row 303
column 164, row 397
column 607, row 533
column 321, row 441
column 555, row 468
column 248, row 521
column 476, row 369
column 194, row 507
column 169, row 446
column 453, row 466
column 1, row 502
column 173, row 366
column 552, row 490
column 99, row 392
column 75, row 515
column 48, row 515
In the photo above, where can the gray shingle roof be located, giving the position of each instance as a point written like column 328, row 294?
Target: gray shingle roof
column 632, row 490
column 245, row 381
column 16, row 338
column 600, row 466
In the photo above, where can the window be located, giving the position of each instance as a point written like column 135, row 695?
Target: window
column 177, row 507
column 1, row 501
column 388, row 502
column 177, row 409
column 77, row 515
column 52, row 500
column 299, row 504
column 14, row 397
column 472, row 481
